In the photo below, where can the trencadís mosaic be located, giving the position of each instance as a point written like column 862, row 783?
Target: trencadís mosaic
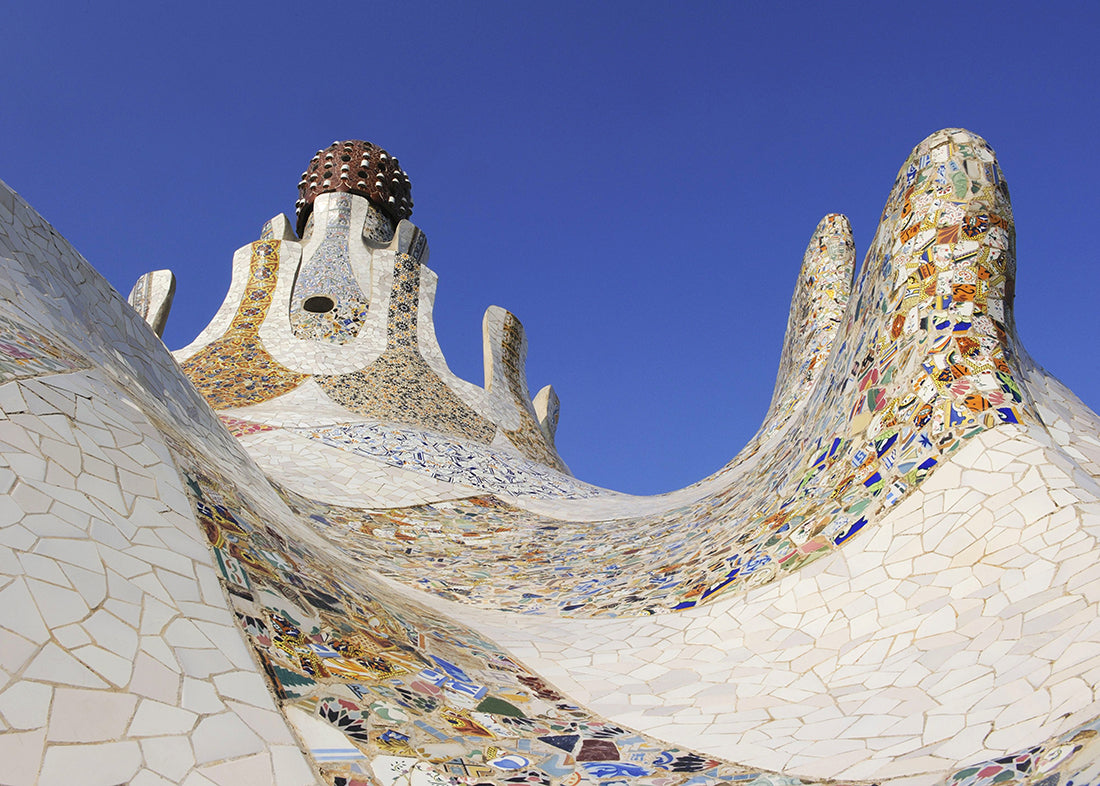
column 895, row 582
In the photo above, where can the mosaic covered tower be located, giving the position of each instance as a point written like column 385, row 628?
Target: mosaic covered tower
column 339, row 321
column 303, row 551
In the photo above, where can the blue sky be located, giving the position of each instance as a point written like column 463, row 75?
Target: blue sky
column 635, row 181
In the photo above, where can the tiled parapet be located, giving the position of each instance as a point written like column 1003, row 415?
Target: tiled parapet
column 887, row 384
column 506, row 383
column 235, row 369
column 398, row 386
column 152, row 297
column 923, row 359
column 936, row 290
column 817, row 310
column 131, row 538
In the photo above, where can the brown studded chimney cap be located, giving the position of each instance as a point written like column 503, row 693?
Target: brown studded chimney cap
column 356, row 167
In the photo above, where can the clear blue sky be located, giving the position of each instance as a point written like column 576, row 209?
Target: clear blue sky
column 635, row 181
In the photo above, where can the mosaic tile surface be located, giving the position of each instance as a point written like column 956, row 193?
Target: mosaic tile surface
column 817, row 312
column 445, row 459
column 531, row 440
column 377, row 689
column 920, row 366
column 398, row 386
column 242, row 428
column 895, row 582
column 913, row 379
column 25, row 352
column 120, row 661
column 236, row 369
column 378, row 228
column 394, row 382
column 328, row 302
column 152, row 296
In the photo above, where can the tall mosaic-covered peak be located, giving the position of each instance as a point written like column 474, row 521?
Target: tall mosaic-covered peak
column 355, row 167
column 330, row 330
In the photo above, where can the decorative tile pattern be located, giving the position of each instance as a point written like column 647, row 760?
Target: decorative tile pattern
column 399, row 387
column 528, row 438
column 236, row 370
column 355, row 167
column 243, row 428
column 166, row 615
column 378, row 228
column 27, row 353
column 378, row 689
column 1070, row 758
column 538, row 563
column 921, row 365
column 817, row 312
column 462, row 463
column 327, row 303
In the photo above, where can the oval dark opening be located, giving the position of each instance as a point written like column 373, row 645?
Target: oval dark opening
column 318, row 304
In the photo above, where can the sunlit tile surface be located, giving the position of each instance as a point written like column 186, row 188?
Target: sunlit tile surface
column 311, row 554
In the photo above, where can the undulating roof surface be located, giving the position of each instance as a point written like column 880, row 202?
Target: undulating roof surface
column 303, row 551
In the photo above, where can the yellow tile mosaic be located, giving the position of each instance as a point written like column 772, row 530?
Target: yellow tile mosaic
column 236, row 370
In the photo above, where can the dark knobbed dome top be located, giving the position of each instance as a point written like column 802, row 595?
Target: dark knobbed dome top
column 356, row 167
